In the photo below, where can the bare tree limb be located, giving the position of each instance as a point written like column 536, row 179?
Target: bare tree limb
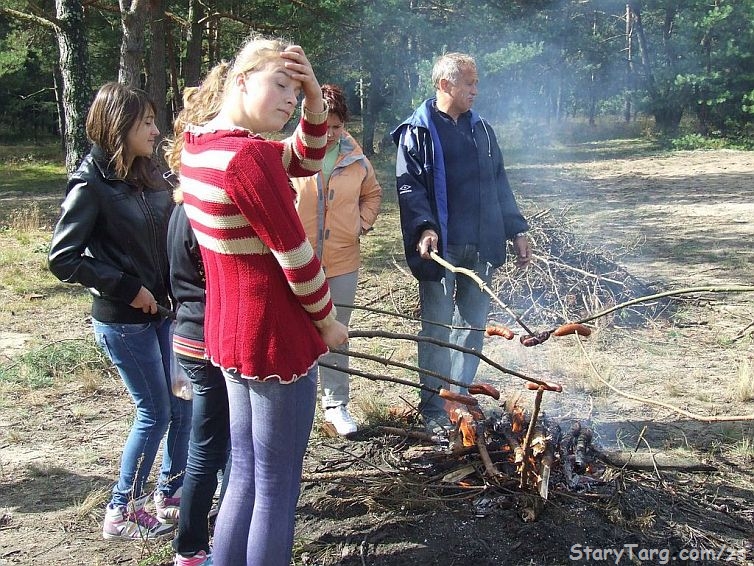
column 668, row 406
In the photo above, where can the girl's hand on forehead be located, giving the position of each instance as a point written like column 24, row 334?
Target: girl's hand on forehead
column 299, row 68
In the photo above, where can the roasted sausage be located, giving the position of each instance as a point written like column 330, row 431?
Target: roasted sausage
column 573, row 328
column 546, row 386
column 484, row 389
column 457, row 397
column 534, row 340
column 498, row 330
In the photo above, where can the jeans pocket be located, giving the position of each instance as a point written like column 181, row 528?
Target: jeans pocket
column 107, row 335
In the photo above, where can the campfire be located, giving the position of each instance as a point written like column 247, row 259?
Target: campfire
column 513, row 450
column 516, row 445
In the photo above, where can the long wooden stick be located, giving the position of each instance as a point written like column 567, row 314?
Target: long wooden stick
column 415, row 338
column 636, row 301
column 407, row 317
column 688, row 290
column 483, row 286
column 526, row 446
column 668, row 406
column 386, row 362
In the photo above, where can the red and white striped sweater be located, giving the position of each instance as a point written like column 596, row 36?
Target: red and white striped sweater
column 266, row 291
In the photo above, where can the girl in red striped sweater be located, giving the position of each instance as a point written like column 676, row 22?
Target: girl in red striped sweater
column 269, row 315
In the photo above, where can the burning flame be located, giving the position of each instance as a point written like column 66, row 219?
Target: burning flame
column 464, row 421
column 518, row 419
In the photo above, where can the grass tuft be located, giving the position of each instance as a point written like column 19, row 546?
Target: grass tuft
column 745, row 384
column 61, row 361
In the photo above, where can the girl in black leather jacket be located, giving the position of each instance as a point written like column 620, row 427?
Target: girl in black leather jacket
column 111, row 238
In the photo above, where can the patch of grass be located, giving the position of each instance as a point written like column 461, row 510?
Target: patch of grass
column 25, row 220
column 32, row 169
column 744, row 449
column 45, row 470
column 373, row 408
column 93, row 503
column 60, row 361
column 674, row 390
column 13, row 437
column 159, row 555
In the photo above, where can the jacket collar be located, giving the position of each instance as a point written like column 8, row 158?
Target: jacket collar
column 422, row 116
column 102, row 162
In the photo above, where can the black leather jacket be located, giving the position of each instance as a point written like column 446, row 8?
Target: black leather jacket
column 111, row 238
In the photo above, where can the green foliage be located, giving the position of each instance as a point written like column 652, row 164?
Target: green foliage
column 697, row 141
column 539, row 61
column 59, row 361
column 512, row 55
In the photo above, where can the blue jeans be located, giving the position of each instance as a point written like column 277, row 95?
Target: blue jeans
column 270, row 424
column 455, row 300
column 208, row 452
column 142, row 355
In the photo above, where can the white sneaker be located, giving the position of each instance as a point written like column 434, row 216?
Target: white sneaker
column 341, row 420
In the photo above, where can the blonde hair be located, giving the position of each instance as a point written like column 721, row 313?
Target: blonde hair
column 450, row 66
column 201, row 104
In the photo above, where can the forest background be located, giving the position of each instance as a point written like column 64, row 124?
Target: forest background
column 687, row 66
column 595, row 103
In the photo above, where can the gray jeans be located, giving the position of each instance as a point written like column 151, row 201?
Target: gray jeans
column 456, row 300
column 334, row 384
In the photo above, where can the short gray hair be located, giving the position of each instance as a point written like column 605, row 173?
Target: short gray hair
column 450, row 66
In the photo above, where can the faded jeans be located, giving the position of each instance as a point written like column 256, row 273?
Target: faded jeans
column 455, row 300
column 270, row 425
column 208, row 452
column 142, row 354
column 334, row 384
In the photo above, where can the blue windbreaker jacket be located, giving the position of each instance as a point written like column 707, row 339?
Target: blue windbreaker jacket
column 422, row 191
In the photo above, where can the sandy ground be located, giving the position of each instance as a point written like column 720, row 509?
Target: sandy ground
column 675, row 221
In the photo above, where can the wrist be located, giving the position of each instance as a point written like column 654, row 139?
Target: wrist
column 316, row 117
column 518, row 235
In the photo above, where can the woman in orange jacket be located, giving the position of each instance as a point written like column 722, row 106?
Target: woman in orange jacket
column 337, row 206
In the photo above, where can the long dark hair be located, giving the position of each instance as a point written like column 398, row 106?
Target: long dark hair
column 116, row 108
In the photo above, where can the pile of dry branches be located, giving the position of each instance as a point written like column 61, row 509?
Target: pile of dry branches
column 567, row 281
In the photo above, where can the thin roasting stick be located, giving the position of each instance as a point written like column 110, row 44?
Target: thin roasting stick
column 483, row 286
column 415, row 338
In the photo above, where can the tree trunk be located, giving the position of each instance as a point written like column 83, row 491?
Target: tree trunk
column 76, row 91
column 157, row 83
column 133, row 22
column 192, row 67
column 372, row 105
column 629, row 66
column 57, row 81
column 176, row 102
column 667, row 113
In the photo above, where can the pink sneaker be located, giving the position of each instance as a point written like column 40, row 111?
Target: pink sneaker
column 134, row 525
column 168, row 508
column 201, row 558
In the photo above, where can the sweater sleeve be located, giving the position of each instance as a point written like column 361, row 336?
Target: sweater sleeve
column 260, row 188
column 304, row 151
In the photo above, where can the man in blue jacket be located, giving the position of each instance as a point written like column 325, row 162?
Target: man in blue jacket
column 454, row 199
